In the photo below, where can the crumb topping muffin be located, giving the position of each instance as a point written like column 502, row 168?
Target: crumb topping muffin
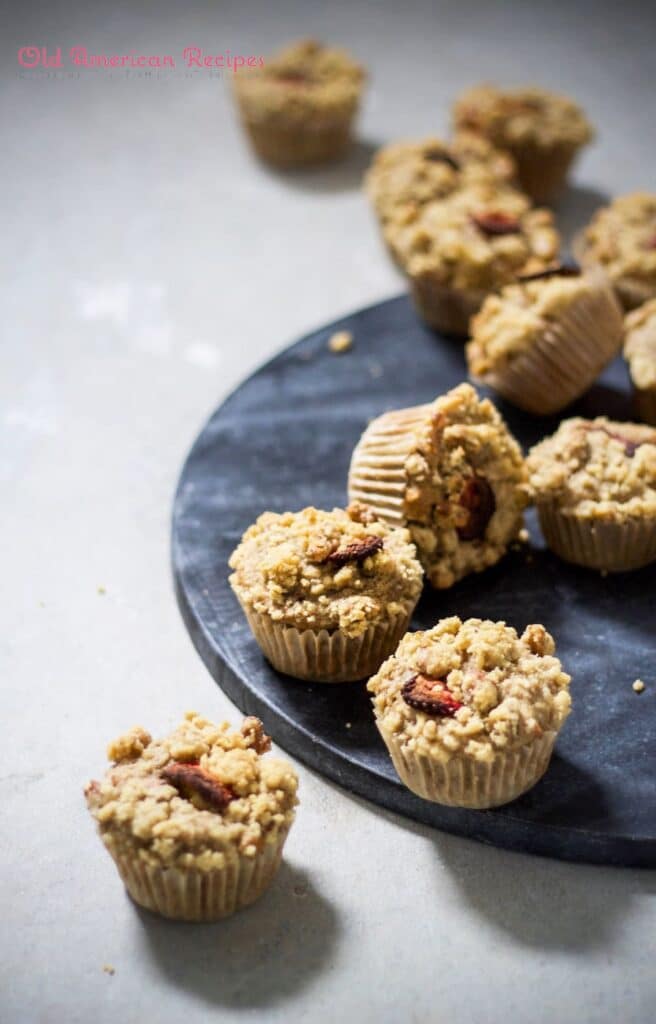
column 478, row 239
column 452, row 473
column 640, row 345
column 406, row 175
column 512, row 117
column 339, row 570
column 621, row 238
column 299, row 107
column 598, row 469
column 472, row 688
column 194, row 799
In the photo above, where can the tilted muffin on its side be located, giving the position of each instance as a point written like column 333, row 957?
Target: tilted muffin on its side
column 544, row 340
column 451, row 472
column 542, row 130
column 300, row 107
column 470, row 711
column 640, row 353
column 328, row 595
column 457, row 250
column 594, row 484
column 405, row 176
column 621, row 239
column 195, row 822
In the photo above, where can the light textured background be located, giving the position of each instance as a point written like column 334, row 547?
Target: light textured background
column 148, row 265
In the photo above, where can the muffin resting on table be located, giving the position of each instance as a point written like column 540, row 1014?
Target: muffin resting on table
column 452, row 473
column 542, row 130
column 640, row 353
column 328, row 595
column 470, row 711
column 544, row 340
column 299, row 108
column 195, row 822
column 621, row 239
column 457, row 250
column 405, row 176
column 594, row 484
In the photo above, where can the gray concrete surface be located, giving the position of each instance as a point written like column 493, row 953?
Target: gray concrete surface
column 149, row 264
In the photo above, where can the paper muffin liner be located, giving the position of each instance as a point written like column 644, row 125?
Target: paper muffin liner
column 377, row 474
column 566, row 357
column 463, row 782
column 298, row 146
column 445, row 308
column 543, row 172
column 328, row 656
column 645, row 404
column 611, row 546
column 187, row 894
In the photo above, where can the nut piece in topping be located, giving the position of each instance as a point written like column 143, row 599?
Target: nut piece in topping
column 430, row 695
column 356, row 552
column 477, row 497
column 340, row 341
column 198, row 786
column 495, row 222
column 253, row 731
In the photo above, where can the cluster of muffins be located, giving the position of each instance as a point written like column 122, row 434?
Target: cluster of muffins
column 469, row 711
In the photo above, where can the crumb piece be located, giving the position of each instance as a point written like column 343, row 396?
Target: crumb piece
column 101, row 589
column 523, row 536
column 347, row 725
column 108, row 969
column 341, row 341
column 638, row 686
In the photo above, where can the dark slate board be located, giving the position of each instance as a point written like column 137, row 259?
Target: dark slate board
column 282, row 441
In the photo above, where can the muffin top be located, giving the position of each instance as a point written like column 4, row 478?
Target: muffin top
column 188, row 800
column 528, row 115
column 640, row 344
column 464, row 480
column 509, row 323
column 326, row 570
column 480, row 237
column 305, row 77
column 471, row 689
column 622, row 239
column 406, row 175
column 597, row 468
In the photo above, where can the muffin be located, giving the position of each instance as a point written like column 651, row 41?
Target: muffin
column 298, row 109
column 470, row 711
column 640, row 353
column 452, row 473
column 543, row 341
column 542, row 130
column 406, row 175
column 621, row 239
column 328, row 595
column 196, row 822
column 457, row 250
column 594, row 484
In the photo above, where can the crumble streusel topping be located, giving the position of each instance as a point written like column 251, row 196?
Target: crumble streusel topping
column 622, row 239
column 640, row 344
column 326, row 570
column 511, row 117
column 508, row 690
column 406, row 175
column 480, row 237
column 509, row 323
column 142, row 815
column 597, row 468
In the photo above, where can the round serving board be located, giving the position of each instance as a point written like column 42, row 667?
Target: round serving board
column 282, row 441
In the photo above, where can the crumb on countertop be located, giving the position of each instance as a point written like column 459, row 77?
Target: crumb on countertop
column 638, row 686
column 341, row 341
column 101, row 590
column 108, row 969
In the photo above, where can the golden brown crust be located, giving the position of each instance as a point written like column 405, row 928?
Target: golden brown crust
column 527, row 115
column 640, row 345
column 621, row 238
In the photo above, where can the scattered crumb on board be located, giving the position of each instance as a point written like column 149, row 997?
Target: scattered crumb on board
column 341, row 341
column 101, row 590
column 638, row 686
column 108, row 969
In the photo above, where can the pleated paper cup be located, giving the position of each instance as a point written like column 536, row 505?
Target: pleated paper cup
column 645, row 404
column 607, row 545
column 299, row 145
column 447, row 309
column 543, row 172
column 187, row 894
column 328, row 656
column 464, row 782
column 566, row 357
column 377, row 474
